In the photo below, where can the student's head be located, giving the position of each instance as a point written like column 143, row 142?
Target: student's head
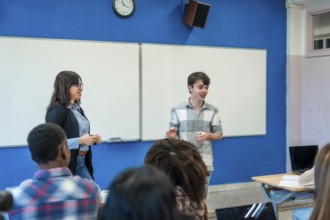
column 182, row 162
column 322, row 185
column 198, row 76
column 48, row 144
column 198, row 85
column 67, row 88
column 143, row 193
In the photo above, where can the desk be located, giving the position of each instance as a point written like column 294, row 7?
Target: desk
column 272, row 182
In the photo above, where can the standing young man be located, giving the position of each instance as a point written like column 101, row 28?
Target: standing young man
column 197, row 121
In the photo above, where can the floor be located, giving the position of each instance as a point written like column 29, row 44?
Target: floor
column 242, row 194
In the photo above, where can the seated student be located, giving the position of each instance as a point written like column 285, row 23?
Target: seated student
column 320, row 173
column 182, row 162
column 53, row 193
column 306, row 180
column 321, row 209
column 143, row 193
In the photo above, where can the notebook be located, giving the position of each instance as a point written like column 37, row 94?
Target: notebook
column 302, row 157
column 258, row 211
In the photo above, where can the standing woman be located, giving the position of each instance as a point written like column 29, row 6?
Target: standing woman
column 64, row 110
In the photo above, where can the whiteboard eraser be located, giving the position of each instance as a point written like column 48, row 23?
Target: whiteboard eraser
column 115, row 139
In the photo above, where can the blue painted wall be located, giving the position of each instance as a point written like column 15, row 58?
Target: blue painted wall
column 231, row 23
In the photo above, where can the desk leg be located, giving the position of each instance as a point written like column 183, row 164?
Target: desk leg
column 268, row 197
column 275, row 207
column 275, row 201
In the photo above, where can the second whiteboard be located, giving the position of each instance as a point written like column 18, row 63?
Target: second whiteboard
column 238, row 86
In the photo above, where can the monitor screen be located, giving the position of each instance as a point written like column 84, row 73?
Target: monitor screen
column 302, row 157
column 242, row 212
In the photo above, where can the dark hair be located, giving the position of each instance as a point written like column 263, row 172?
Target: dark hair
column 44, row 141
column 183, row 163
column 143, row 193
column 322, row 185
column 194, row 77
column 63, row 81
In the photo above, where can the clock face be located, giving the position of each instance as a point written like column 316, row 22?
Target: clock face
column 123, row 8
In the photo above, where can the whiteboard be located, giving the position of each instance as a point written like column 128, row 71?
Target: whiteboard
column 237, row 89
column 109, row 71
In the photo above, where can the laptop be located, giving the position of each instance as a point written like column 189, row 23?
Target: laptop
column 302, row 157
column 258, row 211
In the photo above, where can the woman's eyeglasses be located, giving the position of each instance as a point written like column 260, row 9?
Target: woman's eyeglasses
column 79, row 85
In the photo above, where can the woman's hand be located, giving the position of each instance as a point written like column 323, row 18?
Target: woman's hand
column 98, row 138
column 90, row 139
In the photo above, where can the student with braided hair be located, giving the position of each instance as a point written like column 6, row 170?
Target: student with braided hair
column 182, row 162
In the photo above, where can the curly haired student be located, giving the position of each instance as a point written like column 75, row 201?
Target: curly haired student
column 182, row 162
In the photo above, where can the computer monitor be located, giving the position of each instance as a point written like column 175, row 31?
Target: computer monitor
column 302, row 157
column 258, row 211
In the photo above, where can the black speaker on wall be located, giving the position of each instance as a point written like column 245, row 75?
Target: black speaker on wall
column 196, row 13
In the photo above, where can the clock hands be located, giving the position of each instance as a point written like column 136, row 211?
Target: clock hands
column 123, row 2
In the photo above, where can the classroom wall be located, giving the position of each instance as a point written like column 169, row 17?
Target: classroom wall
column 295, row 58
column 308, row 83
column 316, row 101
column 315, row 90
column 231, row 23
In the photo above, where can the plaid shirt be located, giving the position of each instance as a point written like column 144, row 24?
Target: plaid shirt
column 187, row 123
column 55, row 194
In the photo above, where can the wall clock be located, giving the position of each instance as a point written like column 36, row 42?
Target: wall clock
column 123, row 8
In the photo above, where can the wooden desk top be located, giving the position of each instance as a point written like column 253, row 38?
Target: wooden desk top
column 274, row 180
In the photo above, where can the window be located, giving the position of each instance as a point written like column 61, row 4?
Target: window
column 321, row 30
column 318, row 32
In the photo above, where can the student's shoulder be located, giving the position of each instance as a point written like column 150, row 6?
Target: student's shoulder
column 211, row 107
column 21, row 188
column 56, row 106
column 181, row 105
column 87, row 184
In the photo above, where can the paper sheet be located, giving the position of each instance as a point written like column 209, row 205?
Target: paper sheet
column 290, row 181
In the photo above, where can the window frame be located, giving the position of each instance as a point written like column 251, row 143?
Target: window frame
column 310, row 52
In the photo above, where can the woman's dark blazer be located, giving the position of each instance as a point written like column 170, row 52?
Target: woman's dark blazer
column 64, row 117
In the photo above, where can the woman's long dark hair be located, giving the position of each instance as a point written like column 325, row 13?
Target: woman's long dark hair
column 183, row 163
column 64, row 80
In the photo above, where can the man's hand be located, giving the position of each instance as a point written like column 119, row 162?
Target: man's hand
column 171, row 133
column 201, row 136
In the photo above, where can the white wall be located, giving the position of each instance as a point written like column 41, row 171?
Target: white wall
column 308, row 102
column 316, row 101
column 295, row 59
